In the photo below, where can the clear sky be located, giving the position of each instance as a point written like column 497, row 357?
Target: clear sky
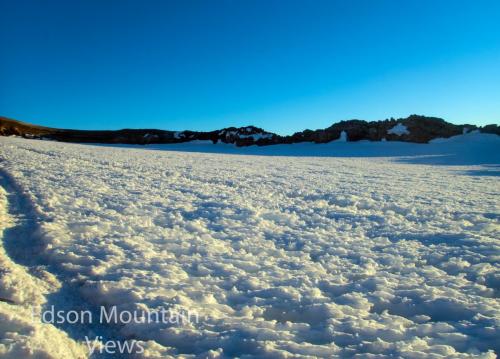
column 283, row 65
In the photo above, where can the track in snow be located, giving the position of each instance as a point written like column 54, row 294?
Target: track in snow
column 22, row 243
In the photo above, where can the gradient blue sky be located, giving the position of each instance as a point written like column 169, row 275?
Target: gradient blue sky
column 283, row 65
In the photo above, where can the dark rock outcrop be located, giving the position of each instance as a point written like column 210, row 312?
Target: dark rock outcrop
column 414, row 128
column 494, row 129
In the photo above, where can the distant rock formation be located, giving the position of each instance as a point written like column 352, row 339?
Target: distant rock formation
column 420, row 129
column 415, row 128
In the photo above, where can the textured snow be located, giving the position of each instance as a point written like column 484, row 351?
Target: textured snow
column 290, row 256
column 399, row 130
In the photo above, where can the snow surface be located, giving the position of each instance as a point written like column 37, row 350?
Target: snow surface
column 399, row 130
column 470, row 149
column 291, row 256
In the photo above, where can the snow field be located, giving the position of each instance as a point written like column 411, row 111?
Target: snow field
column 280, row 256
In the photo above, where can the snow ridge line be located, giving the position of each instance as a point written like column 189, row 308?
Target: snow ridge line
column 23, row 249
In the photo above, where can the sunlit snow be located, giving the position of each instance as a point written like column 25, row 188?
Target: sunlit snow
column 338, row 250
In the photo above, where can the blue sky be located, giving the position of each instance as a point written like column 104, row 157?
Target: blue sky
column 282, row 65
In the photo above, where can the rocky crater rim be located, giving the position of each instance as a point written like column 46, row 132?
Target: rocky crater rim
column 414, row 128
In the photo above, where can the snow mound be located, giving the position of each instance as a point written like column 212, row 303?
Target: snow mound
column 399, row 130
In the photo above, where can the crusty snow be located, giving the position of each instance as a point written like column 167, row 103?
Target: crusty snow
column 352, row 253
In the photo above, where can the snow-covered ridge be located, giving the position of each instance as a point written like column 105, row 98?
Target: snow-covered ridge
column 418, row 129
column 233, row 135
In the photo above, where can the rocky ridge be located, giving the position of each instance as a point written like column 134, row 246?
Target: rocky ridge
column 415, row 128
